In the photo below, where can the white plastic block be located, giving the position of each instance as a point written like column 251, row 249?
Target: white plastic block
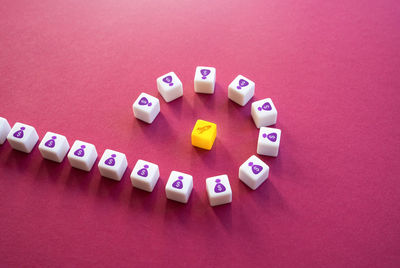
column 4, row 129
column 253, row 172
column 145, row 175
column 204, row 80
column 264, row 113
column 268, row 141
column 22, row 137
column 82, row 155
column 169, row 86
column 241, row 90
column 219, row 190
column 113, row 164
column 54, row 147
column 146, row 108
column 179, row 186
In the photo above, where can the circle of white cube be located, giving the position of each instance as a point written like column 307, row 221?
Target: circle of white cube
column 113, row 164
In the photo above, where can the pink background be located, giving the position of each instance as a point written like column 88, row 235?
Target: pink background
column 332, row 69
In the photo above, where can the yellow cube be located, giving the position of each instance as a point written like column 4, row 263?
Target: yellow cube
column 204, row 134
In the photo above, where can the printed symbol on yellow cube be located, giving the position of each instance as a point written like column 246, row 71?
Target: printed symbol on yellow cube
column 204, row 134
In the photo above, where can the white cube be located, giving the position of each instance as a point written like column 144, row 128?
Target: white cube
column 22, row 137
column 204, row 80
column 146, row 108
column 241, row 90
column 253, row 172
column 54, row 147
column 264, row 113
column 145, row 175
column 82, row 155
column 268, row 141
column 179, row 186
column 219, row 190
column 4, row 129
column 113, row 164
column 169, row 86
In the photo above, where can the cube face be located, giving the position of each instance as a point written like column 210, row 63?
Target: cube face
column 4, row 129
column 219, row 190
column 253, row 172
column 179, row 186
column 169, row 86
column 54, row 147
column 146, row 108
column 204, row 134
column 268, row 141
column 264, row 113
column 22, row 137
column 204, row 80
column 113, row 164
column 145, row 175
column 82, row 155
column 241, row 90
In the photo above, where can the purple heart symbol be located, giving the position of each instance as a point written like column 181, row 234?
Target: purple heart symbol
column 272, row 136
column 205, row 72
column 168, row 80
column 242, row 83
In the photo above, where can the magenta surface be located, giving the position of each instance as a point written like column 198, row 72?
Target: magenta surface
column 331, row 68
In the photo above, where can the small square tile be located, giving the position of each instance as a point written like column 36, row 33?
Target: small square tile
column 4, row 129
column 179, row 186
column 204, row 134
column 146, row 108
column 241, row 90
column 113, row 164
column 253, row 172
column 219, row 190
column 82, row 155
column 268, row 141
column 264, row 113
column 145, row 175
column 22, row 137
column 204, row 80
column 54, row 147
column 169, row 86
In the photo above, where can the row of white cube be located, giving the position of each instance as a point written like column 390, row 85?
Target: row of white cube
column 54, row 146
column 240, row 90
column 145, row 174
